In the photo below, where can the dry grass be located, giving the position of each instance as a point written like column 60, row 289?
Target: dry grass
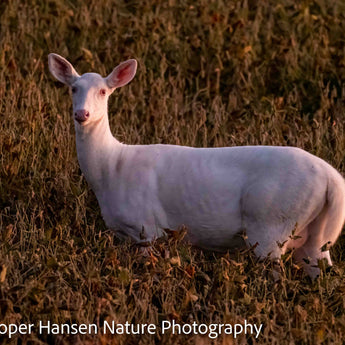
column 211, row 73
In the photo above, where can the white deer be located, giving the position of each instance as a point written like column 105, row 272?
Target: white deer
column 216, row 193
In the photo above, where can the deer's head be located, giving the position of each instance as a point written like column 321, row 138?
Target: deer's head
column 90, row 91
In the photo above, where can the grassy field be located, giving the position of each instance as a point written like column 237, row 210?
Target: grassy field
column 211, row 73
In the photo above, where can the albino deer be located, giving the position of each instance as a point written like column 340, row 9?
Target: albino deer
column 217, row 193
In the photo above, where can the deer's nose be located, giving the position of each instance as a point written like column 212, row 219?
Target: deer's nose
column 81, row 115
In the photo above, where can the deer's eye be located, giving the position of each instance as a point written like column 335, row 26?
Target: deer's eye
column 74, row 89
column 102, row 92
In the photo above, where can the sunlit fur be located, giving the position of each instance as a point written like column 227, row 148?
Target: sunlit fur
column 279, row 197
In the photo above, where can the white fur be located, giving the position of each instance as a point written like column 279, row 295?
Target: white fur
column 217, row 193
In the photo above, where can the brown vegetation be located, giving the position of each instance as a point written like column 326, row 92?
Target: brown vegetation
column 211, row 73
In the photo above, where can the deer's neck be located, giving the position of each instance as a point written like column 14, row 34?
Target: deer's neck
column 97, row 152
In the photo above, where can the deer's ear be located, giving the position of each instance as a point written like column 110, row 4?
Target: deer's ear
column 61, row 69
column 122, row 74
